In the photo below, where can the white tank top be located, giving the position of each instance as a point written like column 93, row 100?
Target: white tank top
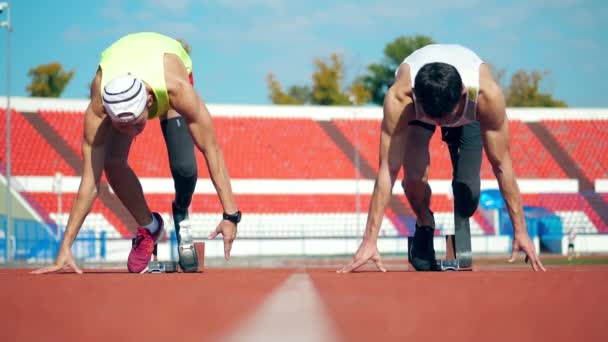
column 464, row 60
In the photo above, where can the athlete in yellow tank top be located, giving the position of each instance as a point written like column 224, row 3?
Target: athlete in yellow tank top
column 143, row 76
column 141, row 55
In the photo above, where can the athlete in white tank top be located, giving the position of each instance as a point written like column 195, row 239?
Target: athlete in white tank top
column 404, row 145
column 466, row 63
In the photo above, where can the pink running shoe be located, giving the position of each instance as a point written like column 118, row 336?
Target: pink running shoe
column 143, row 246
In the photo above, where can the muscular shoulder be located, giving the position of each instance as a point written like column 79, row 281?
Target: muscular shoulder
column 96, row 104
column 491, row 105
column 398, row 102
column 176, row 75
column 403, row 82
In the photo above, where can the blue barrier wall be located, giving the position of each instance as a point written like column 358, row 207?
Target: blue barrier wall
column 540, row 222
column 34, row 241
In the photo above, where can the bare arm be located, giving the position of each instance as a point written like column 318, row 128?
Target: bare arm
column 186, row 101
column 495, row 135
column 392, row 147
column 496, row 140
column 93, row 152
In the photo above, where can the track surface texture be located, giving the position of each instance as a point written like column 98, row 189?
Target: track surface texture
column 492, row 303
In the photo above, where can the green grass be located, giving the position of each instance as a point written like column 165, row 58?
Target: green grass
column 577, row 261
column 552, row 260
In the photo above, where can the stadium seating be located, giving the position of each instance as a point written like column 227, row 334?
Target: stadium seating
column 573, row 209
column 31, row 154
column 101, row 218
column 305, row 149
column 280, row 148
column 531, row 159
column 588, row 150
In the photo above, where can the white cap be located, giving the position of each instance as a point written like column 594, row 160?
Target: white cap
column 124, row 98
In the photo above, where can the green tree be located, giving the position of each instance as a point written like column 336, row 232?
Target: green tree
column 302, row 94
column 326, row 89
column 380, row 76
column 185, row 45
column 277, row 95
column 48, row 80
column 359, row 95
column 524, row 91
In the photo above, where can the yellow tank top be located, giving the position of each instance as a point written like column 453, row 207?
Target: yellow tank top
column 142, row 55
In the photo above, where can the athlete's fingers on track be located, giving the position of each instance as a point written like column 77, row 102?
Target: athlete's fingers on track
column 513, row 256
column 352, row 266
column 534, row 266
column 540, row 265
column 537, row 264
column 48, row 269
column 75, row 267
column 227, row 248
column 380, row 265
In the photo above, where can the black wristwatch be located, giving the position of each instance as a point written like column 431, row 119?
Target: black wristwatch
column 234, row 218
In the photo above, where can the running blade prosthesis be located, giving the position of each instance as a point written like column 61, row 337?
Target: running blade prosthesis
column 156, row 266
column 188, row 259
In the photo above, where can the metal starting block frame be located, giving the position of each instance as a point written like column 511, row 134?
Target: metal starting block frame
column 155, row 266
column 451, row 265
column 162, row 267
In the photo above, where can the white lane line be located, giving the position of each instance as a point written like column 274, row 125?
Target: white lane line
column 293, row 312
column 319, row 186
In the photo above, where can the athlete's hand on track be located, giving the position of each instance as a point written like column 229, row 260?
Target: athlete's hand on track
column 367, row 251
column 228, row 231
column 64, row 261
column 523, row 243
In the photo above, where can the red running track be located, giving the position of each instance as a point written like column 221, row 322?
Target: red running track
column 567, row 303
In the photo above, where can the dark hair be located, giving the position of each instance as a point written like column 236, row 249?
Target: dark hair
column 438, row 87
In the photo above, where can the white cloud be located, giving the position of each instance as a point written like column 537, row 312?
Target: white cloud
column 177, row 29
column 497, row 18
column 178, row 6
column 113, row 9
column 241, row 5
column 588, row 18
column 584, row 43
column 145, row 15
column 75, row 34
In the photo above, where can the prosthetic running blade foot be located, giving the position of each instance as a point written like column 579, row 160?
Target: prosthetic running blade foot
column 188, row 259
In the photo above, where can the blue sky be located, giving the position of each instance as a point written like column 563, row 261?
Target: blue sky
column 237, row 42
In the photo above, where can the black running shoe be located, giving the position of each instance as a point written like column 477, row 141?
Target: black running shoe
column 422, row 253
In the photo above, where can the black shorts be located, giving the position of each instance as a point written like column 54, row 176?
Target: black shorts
column 468, row 136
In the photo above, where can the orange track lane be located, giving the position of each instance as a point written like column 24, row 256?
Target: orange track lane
column 492, row 304
column 564, row 304
column 114, row 306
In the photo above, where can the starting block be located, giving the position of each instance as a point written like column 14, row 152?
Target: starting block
column 156, row 266
column 458, row 247
column 162, row 267
column 451, row 265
